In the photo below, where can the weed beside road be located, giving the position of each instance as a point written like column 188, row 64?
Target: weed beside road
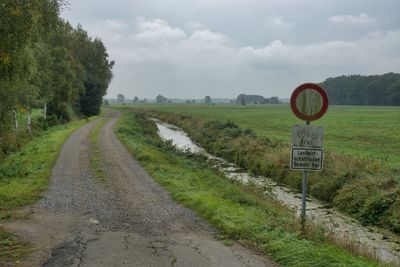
column 96, row 161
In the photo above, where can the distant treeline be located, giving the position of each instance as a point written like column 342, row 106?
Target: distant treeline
column 244, row 99
column 374, row 90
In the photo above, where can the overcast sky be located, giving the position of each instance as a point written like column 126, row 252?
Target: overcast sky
column 193, row 48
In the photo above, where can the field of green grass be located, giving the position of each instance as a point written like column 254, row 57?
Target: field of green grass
column 360, row 131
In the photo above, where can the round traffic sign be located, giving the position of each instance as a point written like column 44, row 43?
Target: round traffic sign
column 309, row 102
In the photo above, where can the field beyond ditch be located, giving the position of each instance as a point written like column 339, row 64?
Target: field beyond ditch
column 359, row 131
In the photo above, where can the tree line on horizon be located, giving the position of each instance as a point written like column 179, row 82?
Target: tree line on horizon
column 46, row 63
column 373, row 90
column 241, row 99
column 244, row 99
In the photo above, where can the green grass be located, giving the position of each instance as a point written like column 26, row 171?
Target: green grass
column 11, row 142
column 360, row 131
column 367, row 189
column 239, row 213
column 96, row 161
column 24, row 175
column 22, row 118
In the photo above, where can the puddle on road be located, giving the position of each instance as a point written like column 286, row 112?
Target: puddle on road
column 345, row 230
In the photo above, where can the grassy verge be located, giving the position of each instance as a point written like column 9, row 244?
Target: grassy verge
column 237, row 212
column 96, row 162
column 10, row 142
column 24, row 176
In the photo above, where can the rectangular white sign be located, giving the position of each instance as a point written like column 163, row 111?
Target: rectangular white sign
column 307, row 136
column 310, row 159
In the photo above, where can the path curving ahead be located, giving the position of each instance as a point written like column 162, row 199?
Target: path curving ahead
column 128, row 221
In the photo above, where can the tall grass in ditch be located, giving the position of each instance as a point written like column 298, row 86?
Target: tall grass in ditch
column 237, row 211
column 365, row 188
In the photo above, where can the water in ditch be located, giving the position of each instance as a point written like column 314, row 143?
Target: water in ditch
column 344, row 229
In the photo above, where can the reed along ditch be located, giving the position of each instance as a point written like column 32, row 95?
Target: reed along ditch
column 343, row 229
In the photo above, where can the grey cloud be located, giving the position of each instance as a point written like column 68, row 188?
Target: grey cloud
column 361, row 19
column 222, row 48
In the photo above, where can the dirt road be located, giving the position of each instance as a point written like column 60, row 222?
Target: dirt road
column 128, row 221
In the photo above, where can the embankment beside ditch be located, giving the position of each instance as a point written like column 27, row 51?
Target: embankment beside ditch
column 240, row 213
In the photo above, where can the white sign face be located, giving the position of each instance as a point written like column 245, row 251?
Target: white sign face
column 307, row 159
column 307, row 136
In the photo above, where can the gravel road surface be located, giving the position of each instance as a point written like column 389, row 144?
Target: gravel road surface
column 127, row 221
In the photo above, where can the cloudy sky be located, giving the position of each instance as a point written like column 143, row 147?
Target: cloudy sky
column 193, row 48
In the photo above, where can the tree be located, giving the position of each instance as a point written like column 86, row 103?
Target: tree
column 274, row 100
column 207, row 100
column 120, row 98
column 45, row 61
column 135, row 99
column 44, row 74
column 161, row 99
column 241, row 99
column 17, row 21
column 93, row 57
column 364, row 90
column 67, row 75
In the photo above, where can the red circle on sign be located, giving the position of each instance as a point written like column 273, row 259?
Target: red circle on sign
column 319, row 90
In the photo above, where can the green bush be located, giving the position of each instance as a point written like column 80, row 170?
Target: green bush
column 391, row 218
column 41, row 123
column 325, row 188
column 376, row 206
column 355, row 193
column 8, row 143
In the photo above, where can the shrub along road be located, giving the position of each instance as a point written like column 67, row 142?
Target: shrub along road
column 128, row 220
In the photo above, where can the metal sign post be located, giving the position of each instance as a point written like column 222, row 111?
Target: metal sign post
column 308, row 102
column 304, row 194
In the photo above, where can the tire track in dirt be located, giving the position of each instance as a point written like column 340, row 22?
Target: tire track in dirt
column 128, row 221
